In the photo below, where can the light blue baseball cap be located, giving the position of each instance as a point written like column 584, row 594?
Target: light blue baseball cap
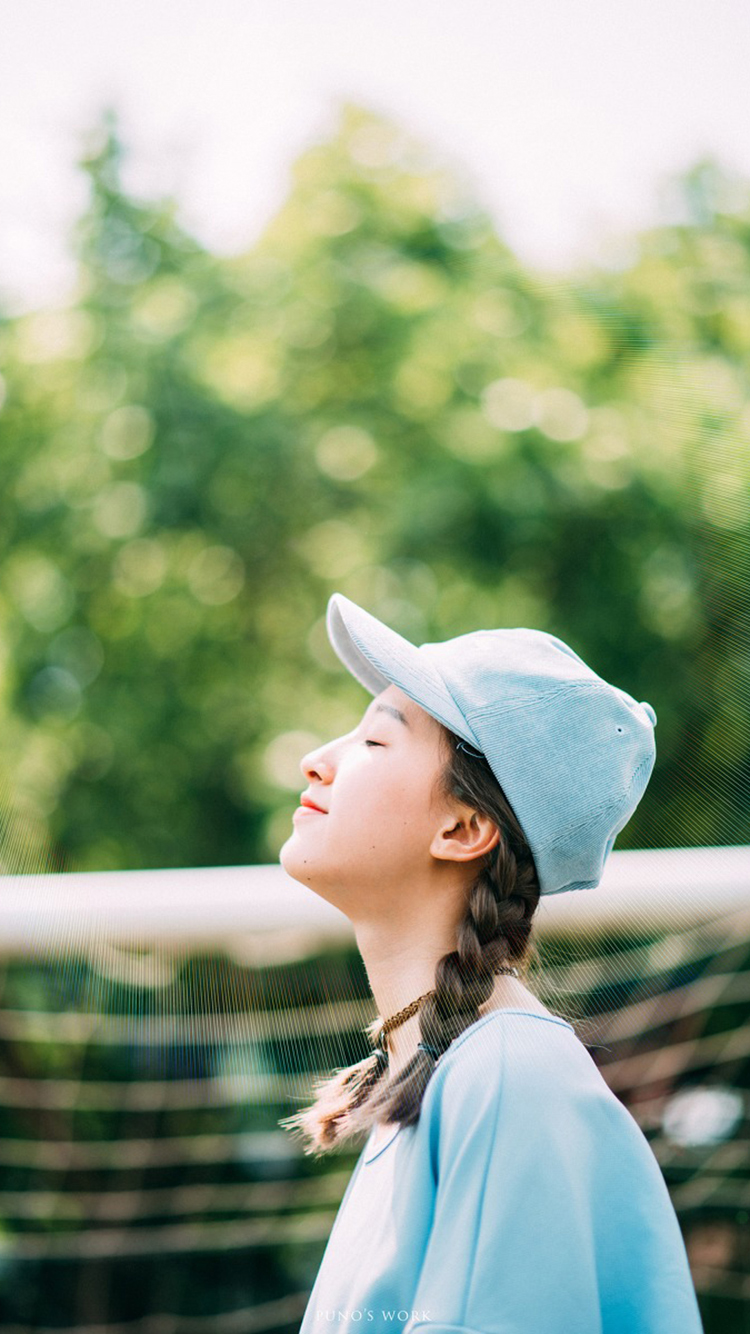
column 572, row 753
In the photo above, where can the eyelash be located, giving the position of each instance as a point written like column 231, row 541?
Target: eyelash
column 373, row 743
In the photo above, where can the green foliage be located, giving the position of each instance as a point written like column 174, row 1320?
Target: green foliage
column 377, row 398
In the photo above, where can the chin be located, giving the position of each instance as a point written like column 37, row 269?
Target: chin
column 302, row 868
column 286, row 854
column 293, row 860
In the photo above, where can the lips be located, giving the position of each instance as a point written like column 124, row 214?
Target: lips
column 308, row 804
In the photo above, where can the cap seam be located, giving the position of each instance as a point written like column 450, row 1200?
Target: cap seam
column 592, row 813
column 541, row 697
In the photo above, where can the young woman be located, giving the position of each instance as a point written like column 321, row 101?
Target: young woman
column 503, row 1188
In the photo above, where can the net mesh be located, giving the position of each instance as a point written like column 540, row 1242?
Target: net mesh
column 147, row 1187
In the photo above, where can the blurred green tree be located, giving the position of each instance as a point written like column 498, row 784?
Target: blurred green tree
column 378, row 398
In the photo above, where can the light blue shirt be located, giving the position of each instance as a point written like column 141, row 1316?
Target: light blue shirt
column 526, row 1200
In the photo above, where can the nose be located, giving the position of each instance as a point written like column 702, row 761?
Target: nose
column 315, row 765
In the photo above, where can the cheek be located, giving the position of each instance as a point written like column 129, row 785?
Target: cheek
column 381, row 795
column 389, row 812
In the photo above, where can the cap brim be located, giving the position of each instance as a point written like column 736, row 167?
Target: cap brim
column 378, row 657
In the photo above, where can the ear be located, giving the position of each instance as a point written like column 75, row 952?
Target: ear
column 464, row 835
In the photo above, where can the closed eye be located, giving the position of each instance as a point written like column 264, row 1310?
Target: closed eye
column 373, row 743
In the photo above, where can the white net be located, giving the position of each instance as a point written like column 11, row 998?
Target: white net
column 147, row 1187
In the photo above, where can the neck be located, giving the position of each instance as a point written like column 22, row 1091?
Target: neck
column 402, row 945
column 400, row 967
column 507, row 993
column 399, row 977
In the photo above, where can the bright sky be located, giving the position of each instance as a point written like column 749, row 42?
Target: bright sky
column 569, row 117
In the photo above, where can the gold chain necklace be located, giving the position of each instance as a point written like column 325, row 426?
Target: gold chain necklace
column 387, row 1026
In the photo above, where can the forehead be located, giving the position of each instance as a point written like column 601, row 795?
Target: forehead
column 394, row 701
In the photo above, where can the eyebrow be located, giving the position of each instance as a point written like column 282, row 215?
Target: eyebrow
column 395, row 713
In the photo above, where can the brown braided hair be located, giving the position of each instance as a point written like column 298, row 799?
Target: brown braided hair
column 495, row 930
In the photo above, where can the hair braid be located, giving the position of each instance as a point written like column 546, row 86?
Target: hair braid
column 494, row 929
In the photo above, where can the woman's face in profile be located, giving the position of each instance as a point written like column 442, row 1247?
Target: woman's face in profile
column 376, row 788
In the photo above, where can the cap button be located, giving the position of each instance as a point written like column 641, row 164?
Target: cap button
column 651, row 712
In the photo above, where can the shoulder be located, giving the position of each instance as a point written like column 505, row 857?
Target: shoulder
column 499, row 1054
column 506, row 1046
column 519, row 1089
column 527, row 1072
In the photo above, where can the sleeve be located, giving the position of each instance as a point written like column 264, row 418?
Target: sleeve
column 528, row 1169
